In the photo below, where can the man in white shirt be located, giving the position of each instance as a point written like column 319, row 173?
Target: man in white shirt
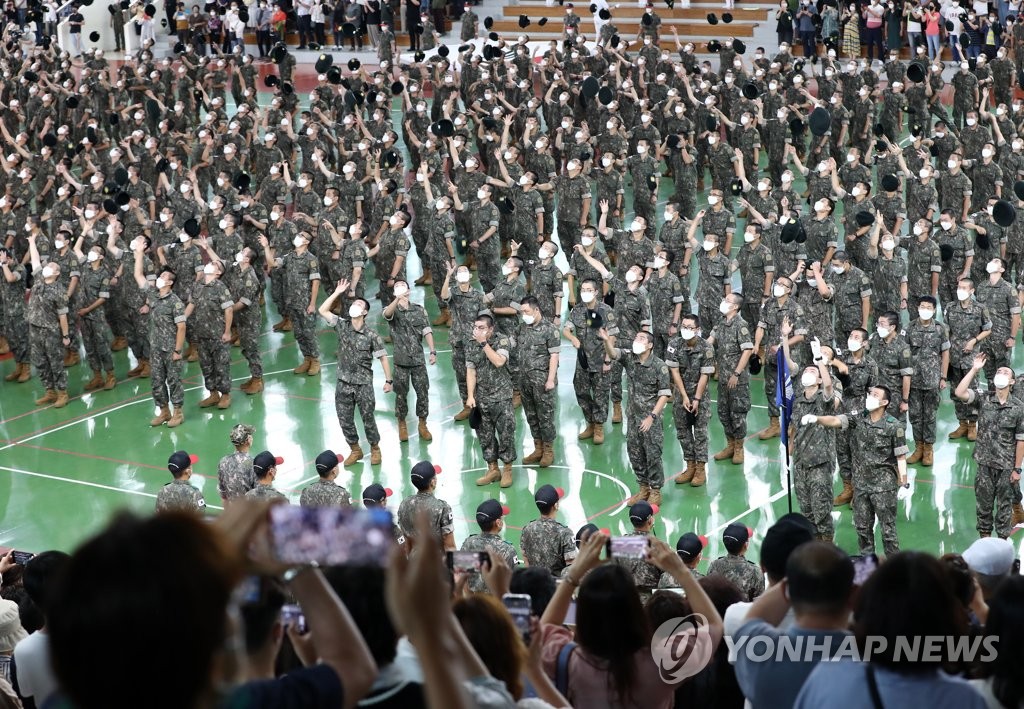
column 303, row 8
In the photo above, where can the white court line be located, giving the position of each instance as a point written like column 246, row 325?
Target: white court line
column 126, row 405
column 139, row 493
column 737, row 518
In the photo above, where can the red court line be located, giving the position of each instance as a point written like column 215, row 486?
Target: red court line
column 106, row 458
column 87, row 414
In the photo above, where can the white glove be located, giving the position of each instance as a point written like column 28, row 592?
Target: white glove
column 808, row 419
column 816, row 348
column 903, row 493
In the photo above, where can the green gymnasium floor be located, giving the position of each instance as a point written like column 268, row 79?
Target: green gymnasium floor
column 63, row 472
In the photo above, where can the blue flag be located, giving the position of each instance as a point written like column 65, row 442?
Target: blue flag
column 783, row 395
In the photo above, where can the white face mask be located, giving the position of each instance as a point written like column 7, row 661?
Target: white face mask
column 92, row 257
column 185, row 189
column 161, row 283
column 298, row 241
column 871, row 402
column 481, row 194
column 529, row 319
column 925, row 314
column 971, row 121
column 90, row 213
column 786, row 179
column 711, row 139
column 962, row 295
column 1001, row 381
column 239, row 257
column 724, row 307
column 709, row 245
column 853, row 345
column 778, row 290
column 223, row 224
column 946, row 226
column 986, row 153
column 687, row 334
column 639, row 348
column 58, row 244
column 183, row 238
column 209, row 269
column 749, row 236
column 851, row 158
column 951, row 164
column 462, row 277
column 812, row 282
column 888, row 244
column 713, row 199
column 587, row 241
column 992, row 267
column 883, row 332
column 857, row 191
column 836, row 268
column 587, row 296
column 355, row 310
column 924, row 174
column 659, row 263
column 808, row 379
column 631, row 277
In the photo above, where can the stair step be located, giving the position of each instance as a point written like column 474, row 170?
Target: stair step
column 619, row 14
column 630, row 27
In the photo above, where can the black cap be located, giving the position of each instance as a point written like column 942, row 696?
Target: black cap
column 789, row 532
column 690, row 545
column 1003, row 213
column 422, row 473
column 547, row 496
column 735, row 536
column 376, row 494
column 840, row 256
column 890, row 183
column 586, row 531
column 642, row 511
column 490, row 510
column 326, row 462
column 180, row 461
column 265, row 461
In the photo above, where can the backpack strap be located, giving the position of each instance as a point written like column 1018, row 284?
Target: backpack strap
column 562, row 668
column 876, row 697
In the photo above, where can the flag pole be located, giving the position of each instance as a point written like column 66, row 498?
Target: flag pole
column 784, row 400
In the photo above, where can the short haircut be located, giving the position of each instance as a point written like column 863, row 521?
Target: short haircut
column 819, row 578
column 485, row 319
column 536, row 582
column 260, row 615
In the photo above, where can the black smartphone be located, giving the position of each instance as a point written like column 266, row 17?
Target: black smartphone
column 467, row 561
column 21, row 557
column 628, row 547
column 519, row 606
column 331, row 535
column 292, row 615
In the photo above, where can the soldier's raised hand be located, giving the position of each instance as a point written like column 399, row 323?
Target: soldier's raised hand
column 979, row 361
column 786, row 329
column 602, row 334
column 808, row 419
column 342, row 286
column 604, row 206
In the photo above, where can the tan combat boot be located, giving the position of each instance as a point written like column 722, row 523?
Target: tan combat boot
column 492, row 474
column 96, row 382
column 701, row 476
column 314, row 366
column 686, row 475
column 62, row 399
column 120, row 342
column 225, row 401
column 772, row 431
column 211, row 400
column 1018, row 514
column 26, row 373
column 538, row 451
column 71, row 358
column 134, row 371
column 145, row 369
column 304, row 367
column 110, row 382
column 654, row 497
column 918, row 453
column 972, row 431
column 48, row 398
column 726, row 453
column 548, row 455
column 586, row 433
column 598, row 434
column 846, row 496
column 177, row 418
column 506, row 475
column 640, row 494
column 253, row 386
column 161, row 418
column 960, row 431
column 354, row 456
column 928, row 457
column 375, row 455
column 737, row 452
column 425, row 434
column 403, row 431
column 617, row 412
column 462, row 415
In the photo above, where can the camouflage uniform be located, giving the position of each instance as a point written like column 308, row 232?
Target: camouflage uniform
column 356, row 351
column 894, row 361
column 814, row 459
column 581, row 270
column 440, row 249
column 13, row 324
column 876, row 446
column 247, row 287
column 648, row 381
column 96, row 335
column 633, row 313
column 692, row 361
column 535, row 344
column 742, row 572
column 923, row 259
column 645, row 574
column 210, row 302
column 963, row 248
column 408, row 328
column 667, row 580
column 772, row 315
column 966, row 320
column 493, row 396
column 1002, row 305
column 325, row 493
column 438, row 511
column 299, row 273
column 46, row 303
column 714, row 274
column 591, row 380
column 488, row 254
column 887, row 274
column 393, row 245
column 488, row 541
column 732, row 337
column 548, row 543
column 862, row 374
column 235, row 476
column 571, row 192
column 1000, row 428
column 179, row 496
column 754, row 262
column 953, row 189
column 165, row 312
column 464, row 307
column 264, row 492
column 665, row 293
column 546, row 286
column 849, row 288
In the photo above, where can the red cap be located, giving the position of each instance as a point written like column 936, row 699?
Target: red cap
column 505, row 511
column 277, row 461
column 605, row 531
column 703, row 540
column 388, row 492
column 437, row 470
column 194, row 459
column 655, row 508
column 341, row 458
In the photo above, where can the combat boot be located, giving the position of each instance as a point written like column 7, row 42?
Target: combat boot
column 110, row 382
column 425, row 434
column 918, row 453
column 5, row 346
column 737, row 452
column 972, row 431
column 586, row 433
column 225, row 401
column 211, row 400
column 1018, row 514
column 161, row 418
column 62, row 399
column 726, row 453
column 700, row 477
column 191, row 354
column 120, row 343
column 846, row 496
column 177, row 418
column 492, row 474
column 506, row 475
column 96, row 382
column 928, row 457
column 425, row 280
column 616, row 412
column 960, row 431
column 314, row 366
column 654, row 497
column 145, row 369
column 249, row 386
column 517, row 400
column 403, row 431
column 462, row 415
column 134, row 371
column 375, row 454
column 354, row 456
column 548, row 455
column 640, row 494
column 284, row 325
column 686, row 475
column 15, row 373
column 443, row 319
column 71, row 358
column 304, row 367
column 26, row 373
column 538, row 451
column 48, row 398
column 772, row 431
column 598, row 434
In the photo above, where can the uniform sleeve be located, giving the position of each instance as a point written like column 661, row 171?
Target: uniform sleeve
column 746, row 342
column 899, row 440
column 503, row 347
column 906, row 362
column 664, row 382
column 378, row 345
column 179, row 312
column 446, row 520
column 611, row 323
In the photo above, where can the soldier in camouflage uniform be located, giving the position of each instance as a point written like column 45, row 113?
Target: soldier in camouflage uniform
column 891, row 353
column 996, row 294
column 47, row 315
column 969, row 325
column 214, row 310
column 733, row 348
column 13, row 324
column 409, row 327
column 756, row 265
column 489, row 515
column 538, row 344
column 856, row 371
column 440, row 248
column 880, row 466
column 591, row 380
column 166, row 339
column 689, row 547
column 955, row 189
column 544, row 282
column 246, row 288
column 465, row 303
column 666, row 300
column 580, row 268
column 483, row 237
column 998, row 451
column 573, row 191
column 264, row 467
column 179, row 495
column 735, row 566
column 439, row 512
column 235, row 476
column 89, row 301
column 301, row 286
column 358, row 346
column 645, row 574
column 489, row 387
column 324, row 492
column 691, row 362
column 545, row 541
column 924, row 263
column 649, row 392
column 780, row 308
column 957, row 252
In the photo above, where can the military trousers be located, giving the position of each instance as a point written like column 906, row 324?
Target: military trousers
column 459, row 365
column 813, row 486
column 995, row 348
column 771, row 378
column 964, row 411
column 165, row 378
column 420, row 383
column 137, row 332
column 48, row 356
column 15, row 329
column 844, row 454
column 992, row 488
column 869, row 506
column 304, row 327
column 249, row 340
column 644, row 449
column 923, row 411
column 592, row 391
column 538, row 404
column 497, row 429
column 569, row 234
column 692, row 428
column 96, row 337
column 488, row 263
column 347, row 397
column 215, row 363
column 733, row 405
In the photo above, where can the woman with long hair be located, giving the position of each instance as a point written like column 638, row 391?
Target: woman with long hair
column 850, row 21
column 1002, row 684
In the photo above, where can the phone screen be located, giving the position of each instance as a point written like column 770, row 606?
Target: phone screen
column 863, row 567
column 21, row 557
column 292, row 615
column 466, row 561
column 628, row 547
column 570, row 615
column 519, row 607
column 331, row 535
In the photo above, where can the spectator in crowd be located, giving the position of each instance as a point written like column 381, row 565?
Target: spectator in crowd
column 34, row 656
column 1000, row 683
column 992, row 560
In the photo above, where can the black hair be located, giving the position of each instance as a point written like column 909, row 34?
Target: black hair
column 260, row 615
column 531, row 301
column 485, row 319
column 819, row 578
column 536, row 582
column 1005, row 620
column 361, row 589
column 888, row 393
column 927, row 299
column 40, row 577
